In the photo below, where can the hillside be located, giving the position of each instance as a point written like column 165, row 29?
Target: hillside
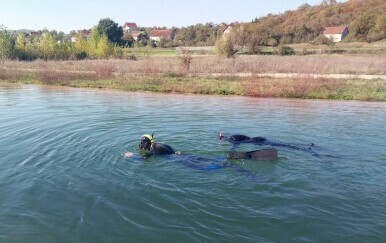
column 366, row 20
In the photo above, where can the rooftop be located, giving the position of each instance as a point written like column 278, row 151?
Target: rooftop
column 331, row 30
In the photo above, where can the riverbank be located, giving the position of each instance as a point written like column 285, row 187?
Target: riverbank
column 310, row 77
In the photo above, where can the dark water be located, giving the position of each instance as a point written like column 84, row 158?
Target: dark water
column 63, row 177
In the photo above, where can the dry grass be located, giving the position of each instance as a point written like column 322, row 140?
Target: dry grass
column 166, row 74
column 318, row 64
column 295, row 88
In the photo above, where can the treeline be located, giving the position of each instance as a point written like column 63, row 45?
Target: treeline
column 193, row 35
column 365, row 19
column 198, row 35
column 23, row 47
column 103, row 42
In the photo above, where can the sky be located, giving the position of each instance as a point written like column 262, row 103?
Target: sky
column 67, row 15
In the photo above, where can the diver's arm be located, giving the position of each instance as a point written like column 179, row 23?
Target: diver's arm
column 141, row 154
column 128, row 154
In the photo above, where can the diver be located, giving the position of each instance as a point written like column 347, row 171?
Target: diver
column 149, row 147
column 237, row 139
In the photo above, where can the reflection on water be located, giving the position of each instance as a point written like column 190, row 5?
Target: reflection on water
column 63, row 176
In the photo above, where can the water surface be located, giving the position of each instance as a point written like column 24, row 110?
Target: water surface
column 63, row 177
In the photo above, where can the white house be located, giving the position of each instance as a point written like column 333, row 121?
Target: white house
column 156, row 35
column 130, row 27
column 226, row 29
column 336, row 33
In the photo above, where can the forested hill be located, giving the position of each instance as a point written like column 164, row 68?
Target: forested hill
column 365, row 19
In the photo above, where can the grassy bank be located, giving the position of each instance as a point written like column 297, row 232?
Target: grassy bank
column 231, row 85
column 170, row 75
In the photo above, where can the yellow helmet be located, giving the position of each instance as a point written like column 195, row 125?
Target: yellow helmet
column 146, row 141
column 150, row 137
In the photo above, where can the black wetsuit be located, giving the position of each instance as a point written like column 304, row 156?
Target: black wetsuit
column 237, row 139
column 160, row 149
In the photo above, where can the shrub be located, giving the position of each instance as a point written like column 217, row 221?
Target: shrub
column 80, row 55
column 284, row 51
column 375, row 37
column 185, row 60
column 323, row 40
column 224, row 48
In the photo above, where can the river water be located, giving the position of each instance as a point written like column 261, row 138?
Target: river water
column 63, row 177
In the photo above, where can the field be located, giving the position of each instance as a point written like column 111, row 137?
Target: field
column 246, row 75
column 300, row 49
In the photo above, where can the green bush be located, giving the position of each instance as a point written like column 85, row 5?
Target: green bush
column 7, row 44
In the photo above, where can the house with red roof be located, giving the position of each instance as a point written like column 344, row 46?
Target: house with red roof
column 336, row 33
column 129, row 27
column 156, row 35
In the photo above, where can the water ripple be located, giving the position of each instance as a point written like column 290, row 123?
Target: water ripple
column 63, row 176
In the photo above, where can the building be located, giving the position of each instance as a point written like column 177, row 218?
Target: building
column 24, row 31
column 137, row 35
column 130, row 27
column 85, row 34
column 336, row 33
column 156, row 35
column 226, row 28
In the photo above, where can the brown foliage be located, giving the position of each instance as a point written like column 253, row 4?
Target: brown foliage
column 9, row 74
column 185, row 60
column 363, row 18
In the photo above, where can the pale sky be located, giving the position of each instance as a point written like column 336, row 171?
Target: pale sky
column 67, row 15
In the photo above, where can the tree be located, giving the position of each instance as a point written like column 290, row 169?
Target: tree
column 162, row 42
column 47, row 45
column 6, row 44
column 231, row 43
column 92, row 43
column 21, row 42
column 110, row 29
column 380, row 24
column 105, row 48
column 150, row 43
column 224, row 48
column 80, row 43
column 329, row 2
column 304, row 6
column 362, row 26
column 128, row 39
